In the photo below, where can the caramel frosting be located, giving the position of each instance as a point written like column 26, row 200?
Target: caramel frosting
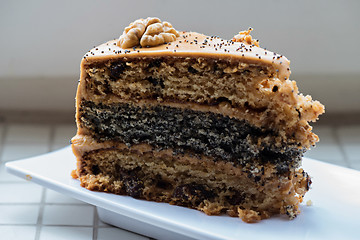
column 192, row 44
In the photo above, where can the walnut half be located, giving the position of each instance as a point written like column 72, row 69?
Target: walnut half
column 147, row 32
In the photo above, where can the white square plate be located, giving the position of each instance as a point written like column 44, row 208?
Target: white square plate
column 334, row 214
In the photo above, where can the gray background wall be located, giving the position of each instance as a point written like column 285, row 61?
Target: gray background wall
column 42, row 42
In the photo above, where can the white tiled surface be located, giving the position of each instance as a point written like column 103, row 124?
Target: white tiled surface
column 74, row 215
column 19, row 214
column 28, row 211
column 63, row 233
column 17, row 232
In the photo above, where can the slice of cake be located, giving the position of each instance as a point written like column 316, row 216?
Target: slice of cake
column 193, row 120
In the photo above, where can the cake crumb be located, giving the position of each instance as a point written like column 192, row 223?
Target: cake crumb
column 74, row 174
column 249, row 216
column 309, row 203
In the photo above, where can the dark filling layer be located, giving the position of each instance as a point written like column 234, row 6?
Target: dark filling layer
column 187, row 131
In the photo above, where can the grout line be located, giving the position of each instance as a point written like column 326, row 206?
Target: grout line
column 13, row 182
column 65, row 225
column 18, row 224
column 95, row 224
column 43, row 196
column 46, row 204
column 40, row 216
column 335, row 131
column 43, row 225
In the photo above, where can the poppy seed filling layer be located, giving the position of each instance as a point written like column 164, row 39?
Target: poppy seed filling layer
column 188, row 131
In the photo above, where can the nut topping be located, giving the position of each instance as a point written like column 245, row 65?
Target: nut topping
column 147, row 32
column 245, row 36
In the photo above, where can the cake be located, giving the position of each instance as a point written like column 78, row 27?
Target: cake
column 195, row 121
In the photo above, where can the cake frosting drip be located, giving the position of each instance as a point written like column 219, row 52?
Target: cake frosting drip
column 192, row 44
